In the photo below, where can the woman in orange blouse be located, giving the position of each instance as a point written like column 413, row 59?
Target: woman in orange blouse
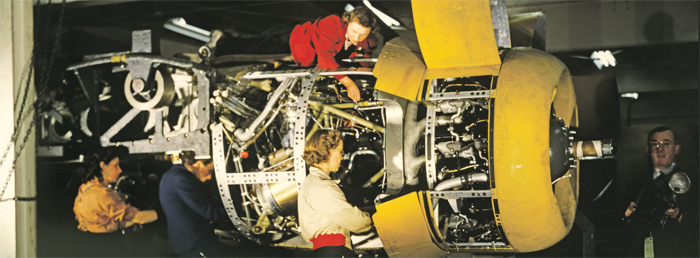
column 98, row 208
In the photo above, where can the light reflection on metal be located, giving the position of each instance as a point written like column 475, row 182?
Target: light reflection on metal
column 179, row 25
column 630, row 95
column 382, row 16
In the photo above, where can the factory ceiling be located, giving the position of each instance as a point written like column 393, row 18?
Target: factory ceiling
column 655, row 42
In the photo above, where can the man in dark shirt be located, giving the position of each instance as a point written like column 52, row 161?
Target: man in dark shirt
column 675, row 232
column 188, row 212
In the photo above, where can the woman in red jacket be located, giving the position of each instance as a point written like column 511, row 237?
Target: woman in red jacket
column 327, row 40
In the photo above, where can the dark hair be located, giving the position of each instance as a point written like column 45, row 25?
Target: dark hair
column 106, row 155
column 187, row 157
column 363, row 16
column 662, row 129
column 318, row 147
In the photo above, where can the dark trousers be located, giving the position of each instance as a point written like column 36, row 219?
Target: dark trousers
column 333, row 251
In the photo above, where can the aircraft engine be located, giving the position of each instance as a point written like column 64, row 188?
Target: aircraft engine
column 461, row 149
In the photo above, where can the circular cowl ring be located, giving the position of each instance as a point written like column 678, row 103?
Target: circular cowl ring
column 532, row 85
column 152, row 94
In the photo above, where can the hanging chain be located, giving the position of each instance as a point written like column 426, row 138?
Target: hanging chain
column 24, row 99
column 14, row 162
column 44, row 78
column 15, row 132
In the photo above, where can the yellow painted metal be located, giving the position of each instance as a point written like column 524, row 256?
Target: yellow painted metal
column 533, row 216
column 118, row 59
column 400, row 68
column 456, row 38
column 403, row 225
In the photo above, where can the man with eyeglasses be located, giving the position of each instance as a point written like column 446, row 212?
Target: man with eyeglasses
column 676, row 235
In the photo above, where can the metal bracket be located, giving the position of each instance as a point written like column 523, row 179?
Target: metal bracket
column 302, row 72
column 259, row 178
column 460, row 194
column 393, row 147
column 203, row 87
column 219, row 157
column 477, row 94
column 430, row 158
column 299, row 139
column 499, row 18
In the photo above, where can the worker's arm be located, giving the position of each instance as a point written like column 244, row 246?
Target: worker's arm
column 329, row 33
column 353, row 91
column 142, row 217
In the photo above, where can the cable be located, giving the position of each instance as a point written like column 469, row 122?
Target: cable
column 455, row 170
column 556, row 180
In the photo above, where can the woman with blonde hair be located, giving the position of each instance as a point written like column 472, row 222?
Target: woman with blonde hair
column 325, row 217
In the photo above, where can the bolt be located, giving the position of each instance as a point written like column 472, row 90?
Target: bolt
column 168, row 139
column 150, row 141
column 138, row 85
column 187, row 135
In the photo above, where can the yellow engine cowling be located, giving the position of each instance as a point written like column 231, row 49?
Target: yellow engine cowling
column 530, row 213
column 533, row 216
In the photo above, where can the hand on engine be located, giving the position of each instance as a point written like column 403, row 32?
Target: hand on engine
column 353, row 91
column 369, row 209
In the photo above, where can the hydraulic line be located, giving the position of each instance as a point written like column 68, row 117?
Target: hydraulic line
column 240, row 106
column 456, row 170
column 326, row 110
column 473, row 124
column 462, row 181
column 248, row 133
column 374, row 178
column 360, row 152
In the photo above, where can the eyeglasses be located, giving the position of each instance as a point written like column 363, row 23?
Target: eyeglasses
column 657, row 145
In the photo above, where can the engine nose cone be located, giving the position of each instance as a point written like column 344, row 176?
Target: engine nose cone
column 559, row 156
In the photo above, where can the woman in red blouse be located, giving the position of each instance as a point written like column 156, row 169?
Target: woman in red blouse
column 329, row 39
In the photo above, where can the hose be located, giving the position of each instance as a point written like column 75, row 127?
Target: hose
column 361, row 152
column 246, row 134
column 462, row 181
